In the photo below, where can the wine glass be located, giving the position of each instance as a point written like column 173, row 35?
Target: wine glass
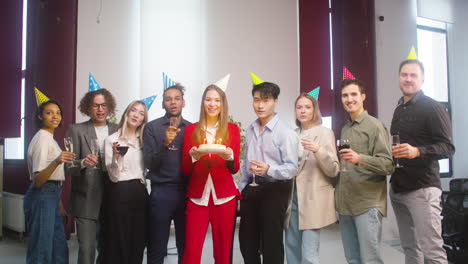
column 343, row 144
column 94, row 149
column 396, row 142
column 173, row 125
column 122, row 149
column 253, row 183
column 68, row 142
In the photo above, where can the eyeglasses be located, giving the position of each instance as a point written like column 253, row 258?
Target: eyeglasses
column 103, row 106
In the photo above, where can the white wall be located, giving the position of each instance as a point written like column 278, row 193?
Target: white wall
column 196, row 43
column 109, row 49
column 458, row 67
column 394, row 37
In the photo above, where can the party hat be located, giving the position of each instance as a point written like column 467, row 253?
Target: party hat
column 149, row 101
column 167, row 82
column 315, row 93
column 412, row 54
column 40, row 97
column 93, row 84
column 255, row 79
column 222, row 84
column 347, row 74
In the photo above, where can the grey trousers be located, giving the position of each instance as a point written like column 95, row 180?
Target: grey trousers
column 86, row 231
column 418, row 218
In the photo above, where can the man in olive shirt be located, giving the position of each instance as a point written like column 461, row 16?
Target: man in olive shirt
column 426, row 136
column 361, row 192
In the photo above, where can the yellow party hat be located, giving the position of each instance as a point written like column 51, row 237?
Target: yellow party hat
column 412, row 54
column 40, row 97
column 255, row 79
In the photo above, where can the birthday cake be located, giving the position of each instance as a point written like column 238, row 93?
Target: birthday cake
column 212, row 147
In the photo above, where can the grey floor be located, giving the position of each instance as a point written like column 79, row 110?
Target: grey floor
column 13, row 250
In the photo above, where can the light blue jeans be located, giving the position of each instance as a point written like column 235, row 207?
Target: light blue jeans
column 361, row 236
column 46, row 235
column 302, row 246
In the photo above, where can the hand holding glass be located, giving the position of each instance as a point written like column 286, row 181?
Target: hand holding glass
column 68, row 142
column 122, row 150
column 94, row 149
column 343, row 144
column 396, row 142
column 252, row 167
column 173, row 125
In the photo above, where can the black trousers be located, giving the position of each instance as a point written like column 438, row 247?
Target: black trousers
column 167, row 203
column 262, row 212
column 127, row 221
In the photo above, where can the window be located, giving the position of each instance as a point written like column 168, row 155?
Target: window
column 14, row 147
column 432, row 52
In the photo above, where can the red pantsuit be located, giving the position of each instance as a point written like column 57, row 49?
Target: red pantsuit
column 222, row 216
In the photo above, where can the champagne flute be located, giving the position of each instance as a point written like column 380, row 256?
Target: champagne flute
column 343, row 144
column 173, row 125
column 68, row 142
column 396, row 142
column 253, row 183
column 94, row 149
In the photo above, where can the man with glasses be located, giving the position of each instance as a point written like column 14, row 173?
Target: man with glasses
column 89, row 175
column 162, row 153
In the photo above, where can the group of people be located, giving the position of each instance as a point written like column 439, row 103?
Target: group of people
column 286, row 186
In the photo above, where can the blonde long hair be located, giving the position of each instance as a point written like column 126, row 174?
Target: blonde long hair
column 123, row 121
column 223, row 117
column 316, row 115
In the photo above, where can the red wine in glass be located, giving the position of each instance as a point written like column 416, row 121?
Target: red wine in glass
column 122, row 150
column 344, row 146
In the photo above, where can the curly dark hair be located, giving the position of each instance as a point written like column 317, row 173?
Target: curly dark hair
column 38, row 112
column 86, row 102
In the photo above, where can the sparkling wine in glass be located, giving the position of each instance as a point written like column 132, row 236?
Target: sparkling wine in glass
column 396, row 142
column 68, row 142
column 173, row 125
column 95, row 149
column 253, row 183
column 343, row 144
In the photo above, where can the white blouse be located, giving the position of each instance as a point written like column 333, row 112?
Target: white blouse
column 42, row 150
column 209, row 186
column 128, row 167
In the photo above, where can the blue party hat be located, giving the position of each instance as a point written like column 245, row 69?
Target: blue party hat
column 168, row 82
column 93, row 84
column 149, row 101
column 315, row 93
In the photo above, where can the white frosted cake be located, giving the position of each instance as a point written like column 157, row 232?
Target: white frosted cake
column 212, row 147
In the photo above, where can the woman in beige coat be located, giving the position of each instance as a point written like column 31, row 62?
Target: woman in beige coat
column 312, row 203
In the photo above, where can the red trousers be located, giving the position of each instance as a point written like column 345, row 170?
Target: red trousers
column 222, row 218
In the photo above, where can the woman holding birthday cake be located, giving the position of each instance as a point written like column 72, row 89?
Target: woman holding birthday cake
column 210, row 157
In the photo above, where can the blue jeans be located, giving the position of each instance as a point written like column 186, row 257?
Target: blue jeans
column 46, row 234
column 302, row 246
column 361, row 236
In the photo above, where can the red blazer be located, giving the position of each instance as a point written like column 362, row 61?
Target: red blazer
column 221, row 170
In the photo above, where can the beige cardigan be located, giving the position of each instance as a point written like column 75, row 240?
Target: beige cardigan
column 315, row 192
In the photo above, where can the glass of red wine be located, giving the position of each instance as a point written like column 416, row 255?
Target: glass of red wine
column 343, row 144
column 122, row 149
